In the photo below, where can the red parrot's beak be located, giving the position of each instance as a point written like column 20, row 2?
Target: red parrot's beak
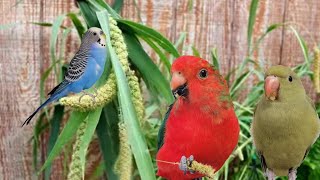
column 178, row 84
column 271, row 87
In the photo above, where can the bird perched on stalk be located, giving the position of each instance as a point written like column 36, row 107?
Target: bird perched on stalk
column 201, row 124
column 285, row 123
column 85, row 68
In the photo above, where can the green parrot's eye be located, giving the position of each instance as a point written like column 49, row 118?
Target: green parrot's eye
column 203, row 73
column 290, row 78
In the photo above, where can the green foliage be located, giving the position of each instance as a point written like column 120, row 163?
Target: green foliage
column 105, row 120
column 127, row 111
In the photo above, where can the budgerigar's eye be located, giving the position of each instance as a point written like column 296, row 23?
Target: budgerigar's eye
column 290, row 78
column 203, row 73
column 94, row 33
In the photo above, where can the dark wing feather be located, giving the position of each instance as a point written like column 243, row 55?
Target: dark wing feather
column 162, row 129
column 77, row 66
column 60, row 87
column 75, row 71
column 263, row 161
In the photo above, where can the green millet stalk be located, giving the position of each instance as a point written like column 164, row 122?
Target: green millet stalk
column 123, row 166
column 204, row 169
column 117, row 42
column 76, row 171
column 316, row 69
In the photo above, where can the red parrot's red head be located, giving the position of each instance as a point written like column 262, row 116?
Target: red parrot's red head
column 194, row 78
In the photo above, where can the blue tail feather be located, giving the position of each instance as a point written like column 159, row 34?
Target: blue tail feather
column 27, row 121
column 52, row 98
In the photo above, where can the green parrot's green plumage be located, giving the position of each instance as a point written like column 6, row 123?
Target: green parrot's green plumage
column 285, row 123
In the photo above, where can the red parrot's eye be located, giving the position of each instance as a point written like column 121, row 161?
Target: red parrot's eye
column 203, row 73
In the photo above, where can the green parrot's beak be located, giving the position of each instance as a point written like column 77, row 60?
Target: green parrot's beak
column 271, row 87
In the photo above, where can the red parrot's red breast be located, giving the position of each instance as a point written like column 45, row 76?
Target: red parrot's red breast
column 202, row 121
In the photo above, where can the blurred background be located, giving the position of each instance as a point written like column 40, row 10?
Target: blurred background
column 201, row 26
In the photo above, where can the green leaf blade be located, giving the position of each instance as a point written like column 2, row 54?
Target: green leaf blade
column 158, row 38
column 65, row 136
column 252, row 19
column 136, row 138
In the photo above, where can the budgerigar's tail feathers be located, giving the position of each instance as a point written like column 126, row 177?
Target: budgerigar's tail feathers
column 59, row 91
column 59, row 88
column 27, row 121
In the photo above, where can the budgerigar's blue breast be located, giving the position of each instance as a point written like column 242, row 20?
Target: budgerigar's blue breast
column 95, row 67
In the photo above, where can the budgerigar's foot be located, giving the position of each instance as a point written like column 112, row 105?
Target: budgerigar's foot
column 86, row 93
column 292, row 174
column 185, row 164
column 270, row 175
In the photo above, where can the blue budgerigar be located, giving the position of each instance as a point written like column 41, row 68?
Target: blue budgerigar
column 84, row 70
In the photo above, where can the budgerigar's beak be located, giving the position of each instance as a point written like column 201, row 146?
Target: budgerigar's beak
column 271, row 87
column 102, row 40
column 179, row 85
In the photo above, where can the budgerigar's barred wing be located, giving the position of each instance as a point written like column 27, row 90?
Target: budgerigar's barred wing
column 77, row 65
column 79, row 62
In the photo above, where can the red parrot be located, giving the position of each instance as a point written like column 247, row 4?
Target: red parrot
column 200, row 124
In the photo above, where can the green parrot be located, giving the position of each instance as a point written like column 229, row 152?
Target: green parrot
column 285, row 123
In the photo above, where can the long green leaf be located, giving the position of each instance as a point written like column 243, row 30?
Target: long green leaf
column 215, row 59
column 102, row 4
column 270, row 28
column 238, row 82
column 162, row 56
column 195, row 51
column 55, row 129
column 43, row 78
column 117, row 5
column 150, row 73
column 65, row 136
column 302, row 44
column 93, row 119
column 36, row 134
column 136, row 138
column 46, row 24
column 77, row 23
column 158, row 38
column 252, row 19
column 108, row 134
column 53, row 40
column 62, row 53
column 179, row 43
column 88, row 14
